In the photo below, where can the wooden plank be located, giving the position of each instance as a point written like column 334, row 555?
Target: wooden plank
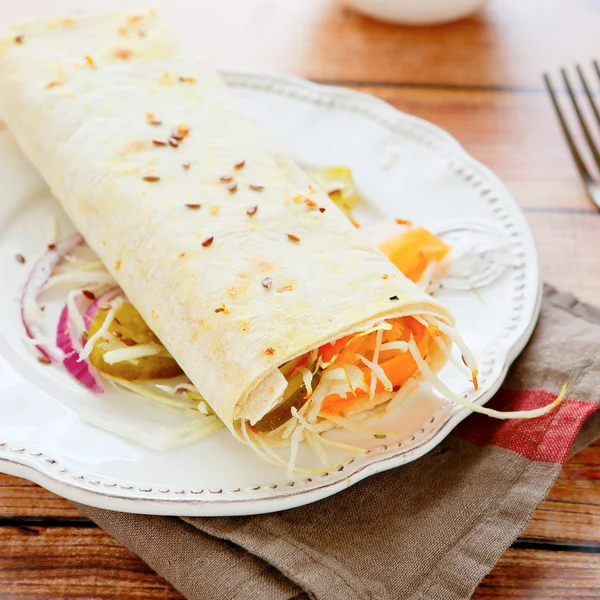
column 509, row 43
column 21, row 498
column 571, row 511
column 541, row 575
column 566, row 244
column 61, row 563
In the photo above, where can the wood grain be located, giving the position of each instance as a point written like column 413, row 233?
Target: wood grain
column 541, row 575
column 571, row 511
column 65, row 562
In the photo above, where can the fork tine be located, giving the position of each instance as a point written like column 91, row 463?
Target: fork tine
column 565, row 129
column 588, row 91
column 581, row 118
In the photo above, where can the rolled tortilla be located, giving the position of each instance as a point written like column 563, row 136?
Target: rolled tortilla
column 266, row 270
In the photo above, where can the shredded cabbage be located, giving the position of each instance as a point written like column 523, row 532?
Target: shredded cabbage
column 75, row 317
column 378, row 372
column 179, row 402
column 402, row 346
column 358, row 427
column 80, row 277
column 441, row 387
column 130, row 353
column 89, row 346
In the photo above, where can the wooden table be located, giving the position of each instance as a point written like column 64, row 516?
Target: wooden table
column 480, row 80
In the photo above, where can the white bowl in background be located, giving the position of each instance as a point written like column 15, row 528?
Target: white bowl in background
column 416, row 12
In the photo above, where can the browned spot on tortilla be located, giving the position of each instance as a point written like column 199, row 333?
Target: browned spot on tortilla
column 136, row 146
column 53, row 84
column 263, row 266
column 270, row 351
column 122, row 53
column 118, row 264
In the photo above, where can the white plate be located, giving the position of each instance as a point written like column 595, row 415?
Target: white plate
column 404, row 167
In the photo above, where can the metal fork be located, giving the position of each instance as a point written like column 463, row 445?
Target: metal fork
column 592, row 187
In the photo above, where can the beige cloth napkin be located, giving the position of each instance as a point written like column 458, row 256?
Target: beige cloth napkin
column 429, row 530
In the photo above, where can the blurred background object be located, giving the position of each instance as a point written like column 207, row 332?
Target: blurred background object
column 416, row 12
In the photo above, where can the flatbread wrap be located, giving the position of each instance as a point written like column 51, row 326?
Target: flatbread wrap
column 282, row 316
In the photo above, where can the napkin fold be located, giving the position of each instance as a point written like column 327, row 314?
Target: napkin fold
column 430, row 530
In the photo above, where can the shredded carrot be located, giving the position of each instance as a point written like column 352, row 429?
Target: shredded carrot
column 398, row 369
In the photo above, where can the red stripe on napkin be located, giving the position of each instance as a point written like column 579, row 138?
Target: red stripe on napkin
column 543, row 439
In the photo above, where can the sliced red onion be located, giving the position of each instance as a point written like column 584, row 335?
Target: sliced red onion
column 90, row 313
column 39, row 275
column 67, row 340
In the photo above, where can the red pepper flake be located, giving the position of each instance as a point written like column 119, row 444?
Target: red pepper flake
column 173, row 142
column 151, row 178
column 293, row 238
column 270, row 351
column 90, row 61
column 267, row 282
column 128, row 341
column 19, row 39
column 159, row 143
column 384, row 276
column 43, row 360
column 310, row 203
column 176, row 135
column 239, row 165
column 89, row 295
column 20, row 258
column 285, row 288
column 187, row 79
column 184, row 130
column 252, row 210
column 322, row 209
column 51, row 246
column 208, row 241
column 186, row 165
column 256, row 188
column 225, row 178
column 232, row 187
column 43, row 308
column 403, row 222
column 194, row 206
